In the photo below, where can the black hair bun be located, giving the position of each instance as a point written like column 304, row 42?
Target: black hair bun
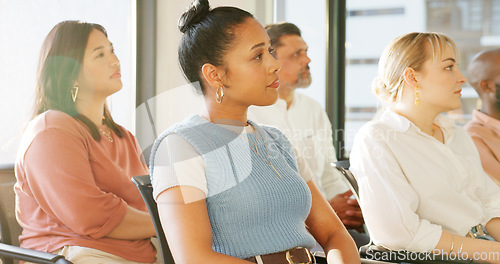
column 196, row 12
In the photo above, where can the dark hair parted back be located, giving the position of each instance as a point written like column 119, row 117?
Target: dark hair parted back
column 208, row 34
column 276, row 31
column 59, row 65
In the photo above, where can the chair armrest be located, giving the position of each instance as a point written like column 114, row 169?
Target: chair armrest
column 31, row 255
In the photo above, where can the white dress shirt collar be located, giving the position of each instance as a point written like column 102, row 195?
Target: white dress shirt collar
column 403, row 124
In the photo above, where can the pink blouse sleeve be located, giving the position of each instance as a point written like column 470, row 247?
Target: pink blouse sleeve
column 60, row 179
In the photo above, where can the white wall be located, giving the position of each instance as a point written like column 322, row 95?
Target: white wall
column 23, row 27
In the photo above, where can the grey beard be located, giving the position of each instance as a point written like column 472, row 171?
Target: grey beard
column 497, row 103
column 303, row 82
column 497, row 96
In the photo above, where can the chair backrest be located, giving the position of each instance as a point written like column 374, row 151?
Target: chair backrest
column 9, row 228
column 343, row 168
column 143, row 183
column 7, row 181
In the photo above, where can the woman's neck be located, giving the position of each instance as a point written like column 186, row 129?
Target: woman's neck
column 419, row 116
column 225, row 114
column 287, row 93
column 93, row 110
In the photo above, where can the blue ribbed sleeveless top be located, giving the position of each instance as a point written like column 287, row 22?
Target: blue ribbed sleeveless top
column 252, row 210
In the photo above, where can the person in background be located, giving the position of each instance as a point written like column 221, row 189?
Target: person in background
column 229, row 190
column 306, row 125
column 421, row 183
column 484, row 75
column 74, row 168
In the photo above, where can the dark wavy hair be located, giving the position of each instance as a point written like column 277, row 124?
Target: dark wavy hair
column 60, row 62
column 208, row 33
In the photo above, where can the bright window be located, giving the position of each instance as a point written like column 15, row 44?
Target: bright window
column 371, row 25
column 23, row 27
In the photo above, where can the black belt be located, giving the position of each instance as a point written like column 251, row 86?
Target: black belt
column 298, row 255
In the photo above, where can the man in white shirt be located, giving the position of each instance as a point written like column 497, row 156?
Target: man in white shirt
column 306, row 124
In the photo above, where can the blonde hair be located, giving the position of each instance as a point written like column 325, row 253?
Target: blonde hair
column 407, row 51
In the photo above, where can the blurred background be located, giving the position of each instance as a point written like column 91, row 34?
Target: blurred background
column 345, row 40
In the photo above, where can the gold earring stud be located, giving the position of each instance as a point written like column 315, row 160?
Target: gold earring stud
column 417, row 95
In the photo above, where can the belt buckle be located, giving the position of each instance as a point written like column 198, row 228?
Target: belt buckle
column 290, row 261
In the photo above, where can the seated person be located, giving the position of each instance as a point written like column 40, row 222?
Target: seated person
column 228, row 196
column 421, row 184
column 483, row 74
column 306, row 125
column 74, row 190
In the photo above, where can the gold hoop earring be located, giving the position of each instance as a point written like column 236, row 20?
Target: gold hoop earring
column 417, row 95
column 219, row 95
column 74, row 92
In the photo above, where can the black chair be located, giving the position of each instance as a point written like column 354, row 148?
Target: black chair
column 10, row 229
column 343, row 167
column 143, row 183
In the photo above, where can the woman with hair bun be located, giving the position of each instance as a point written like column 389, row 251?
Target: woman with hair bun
column 229, row 190
column 421, row 184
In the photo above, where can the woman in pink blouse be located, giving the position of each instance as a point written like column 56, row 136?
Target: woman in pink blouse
column 74, row 192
